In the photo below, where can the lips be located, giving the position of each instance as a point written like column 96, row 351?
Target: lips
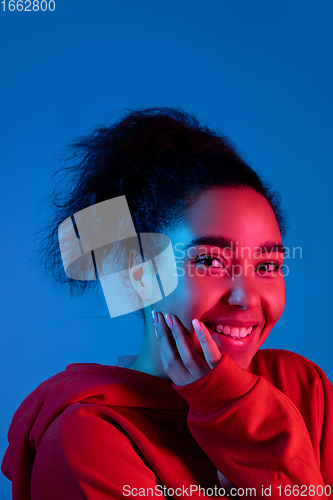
column 233, row 331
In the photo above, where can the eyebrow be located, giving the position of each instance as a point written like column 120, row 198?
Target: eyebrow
column 221, row 242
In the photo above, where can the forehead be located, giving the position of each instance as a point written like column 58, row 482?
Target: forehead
column 238, row 214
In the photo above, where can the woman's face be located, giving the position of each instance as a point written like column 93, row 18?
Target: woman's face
column 229, row 252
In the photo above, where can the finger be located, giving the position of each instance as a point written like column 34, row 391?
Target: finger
column 172, row 363
column 211, row 351
column 189, row 356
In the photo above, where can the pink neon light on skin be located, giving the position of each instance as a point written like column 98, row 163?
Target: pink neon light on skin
column 239, row 215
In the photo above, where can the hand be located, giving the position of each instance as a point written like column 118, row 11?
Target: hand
column 181, row 362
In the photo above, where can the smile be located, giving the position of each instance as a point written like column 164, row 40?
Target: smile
column 232, row 331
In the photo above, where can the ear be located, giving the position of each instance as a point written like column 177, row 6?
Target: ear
column 142, row 276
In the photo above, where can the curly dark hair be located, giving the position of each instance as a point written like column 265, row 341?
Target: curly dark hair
column 160, row 159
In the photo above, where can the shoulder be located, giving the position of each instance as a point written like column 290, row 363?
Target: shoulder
column 297, row 377
column 85, row 430
column 307, row 387
column 83, row 450
column 272, row 363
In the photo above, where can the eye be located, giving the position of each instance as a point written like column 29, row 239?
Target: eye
column 210, row 261
column 268, row 268
column 211, row 265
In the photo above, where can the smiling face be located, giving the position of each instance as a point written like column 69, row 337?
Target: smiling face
column 229, row 253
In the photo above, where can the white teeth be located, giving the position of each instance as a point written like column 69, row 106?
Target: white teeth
column 243, row 332
column 235, row 332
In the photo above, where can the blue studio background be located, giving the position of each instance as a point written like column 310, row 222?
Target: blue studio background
column 259, row 71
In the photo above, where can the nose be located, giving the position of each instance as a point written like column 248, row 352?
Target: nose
column 243, row 293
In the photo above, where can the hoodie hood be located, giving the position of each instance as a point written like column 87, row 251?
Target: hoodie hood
column 80, row 383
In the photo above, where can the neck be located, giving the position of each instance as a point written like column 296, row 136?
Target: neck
column 149, row 360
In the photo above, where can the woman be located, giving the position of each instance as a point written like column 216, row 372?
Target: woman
column 200, row 411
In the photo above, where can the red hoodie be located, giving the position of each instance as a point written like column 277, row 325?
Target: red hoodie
column 102, row 432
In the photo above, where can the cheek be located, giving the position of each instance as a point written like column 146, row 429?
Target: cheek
column 188, row 301
column 273, row 301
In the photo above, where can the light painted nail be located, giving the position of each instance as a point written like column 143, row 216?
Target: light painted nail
column 197, row 325
column 154, row 317
column 169, row 320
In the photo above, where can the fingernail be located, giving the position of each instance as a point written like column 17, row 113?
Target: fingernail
column 169, row 320
column 154, row 317
column 197, row 325
column 156, row 333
